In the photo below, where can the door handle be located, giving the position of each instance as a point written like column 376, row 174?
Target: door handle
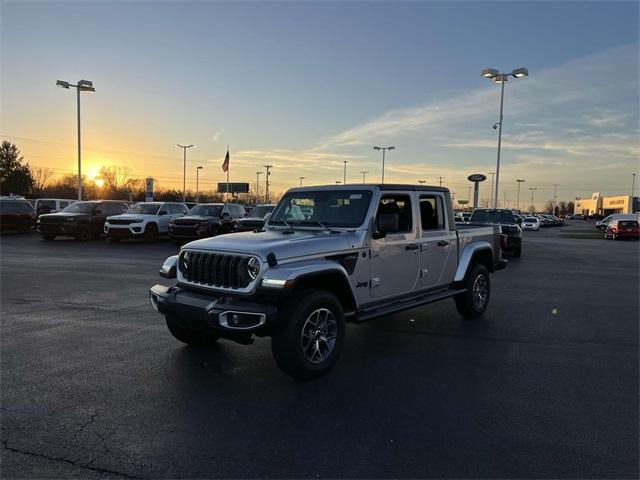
column 443, row 243
column 412, row 246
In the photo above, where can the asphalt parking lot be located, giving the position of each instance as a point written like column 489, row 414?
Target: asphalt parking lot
column 544, row 385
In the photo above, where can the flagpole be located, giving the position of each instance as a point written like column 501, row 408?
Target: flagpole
column 228, row 166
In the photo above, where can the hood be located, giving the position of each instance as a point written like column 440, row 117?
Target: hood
column 53, row 217
column 131, row 216
column 193, row 218
column 284, row 244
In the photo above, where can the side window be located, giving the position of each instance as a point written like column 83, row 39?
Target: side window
column 225, row 210
column 431, row 212
column 399, row 205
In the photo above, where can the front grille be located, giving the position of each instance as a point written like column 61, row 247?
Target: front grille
column 51, row 219
column 217, row 270
column 186, row 223
column 115, row 221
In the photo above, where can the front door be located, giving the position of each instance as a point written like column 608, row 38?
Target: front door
column 395, row 258
column 438, row 244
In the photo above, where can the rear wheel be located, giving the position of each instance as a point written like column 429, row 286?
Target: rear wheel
column 474, row 301
column 151, row 233
column 24, row 226
column 308, row 336
column 190, row 337
column 84, row 232
column 518, row 252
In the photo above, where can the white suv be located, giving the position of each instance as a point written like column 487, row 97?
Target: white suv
column 144, row 220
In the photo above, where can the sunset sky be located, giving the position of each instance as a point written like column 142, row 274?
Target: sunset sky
column 305, row 86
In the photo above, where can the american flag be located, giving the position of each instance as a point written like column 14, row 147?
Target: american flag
column 225, row 164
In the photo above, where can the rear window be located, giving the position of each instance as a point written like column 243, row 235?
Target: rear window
column 493, row 216
column 628, row 223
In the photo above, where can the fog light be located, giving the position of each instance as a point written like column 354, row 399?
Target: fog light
column 242, row 320
column 154, row 301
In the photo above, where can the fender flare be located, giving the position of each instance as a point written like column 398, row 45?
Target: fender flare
column 468, row 254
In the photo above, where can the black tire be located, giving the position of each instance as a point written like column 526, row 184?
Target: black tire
column 466, row 302
column 297, row 317
column 151, row 233
column 83, row 232
column 193, row 338
column 48, row 238
column 518, row 252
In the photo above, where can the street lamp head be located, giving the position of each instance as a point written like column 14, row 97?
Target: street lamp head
column 495, row 125
column 489, row 72
column 520, row 180
column 391, row 148
column 62, row 84
column 199, row 168
column 520, row 72
column 85, row 83
column 500, row 78
column 86, row 89
column 377, row 148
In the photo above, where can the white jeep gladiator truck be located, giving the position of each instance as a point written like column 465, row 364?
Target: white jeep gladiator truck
column 359, row 252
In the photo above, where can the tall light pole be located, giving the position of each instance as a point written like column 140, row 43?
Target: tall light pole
column 364, row 175
column 81, row 86
column 519, row 180
column 440, row 179
column 266, row 188
column 555, row 197
column 633, row 185
column 198, row 183
column 301, row 178
column 184, row 170
column 384, row 149
column 258, row 186
column 532, row 206
column 344, row 175
column 493, row 176
column 501, row 78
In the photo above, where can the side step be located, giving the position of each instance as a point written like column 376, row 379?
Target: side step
column 405, row 304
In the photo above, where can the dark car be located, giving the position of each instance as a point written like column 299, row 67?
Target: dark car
column 205, row 220
column 618, row 229
column 82, row 220
column 511, row 231
column 16, row 214
column 255, row 219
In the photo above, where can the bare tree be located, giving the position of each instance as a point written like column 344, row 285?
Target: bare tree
column 41, row 177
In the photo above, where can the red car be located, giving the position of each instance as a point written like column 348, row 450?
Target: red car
column 622, row 229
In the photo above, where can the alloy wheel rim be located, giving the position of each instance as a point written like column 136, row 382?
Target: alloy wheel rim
column 318, row 336
column 480, row 291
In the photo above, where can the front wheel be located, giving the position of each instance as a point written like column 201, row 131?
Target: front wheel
column 84, row 232
column 151, row 233
column 474, row 300
column 308, row 336
column 186, row 335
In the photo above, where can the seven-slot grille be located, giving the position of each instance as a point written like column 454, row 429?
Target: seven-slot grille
column 116, row 221
column 215, row 269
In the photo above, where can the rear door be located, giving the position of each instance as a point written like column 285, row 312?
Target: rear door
column 438, row 246
column 395, row 258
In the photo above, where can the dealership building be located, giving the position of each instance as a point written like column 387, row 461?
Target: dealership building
column 603, row 205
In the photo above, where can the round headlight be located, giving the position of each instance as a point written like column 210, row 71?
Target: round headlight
column 253, row 268
column 184, row 261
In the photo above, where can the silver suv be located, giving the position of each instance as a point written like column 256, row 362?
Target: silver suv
column 328, row 255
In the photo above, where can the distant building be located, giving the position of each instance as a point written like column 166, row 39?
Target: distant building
column 601, row 205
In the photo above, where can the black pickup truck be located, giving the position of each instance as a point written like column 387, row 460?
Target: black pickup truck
column 509, row 227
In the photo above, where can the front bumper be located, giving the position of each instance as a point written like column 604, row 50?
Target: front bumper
column 124, row 231
column 67, row 229
column 187, row 232
column 205, row 312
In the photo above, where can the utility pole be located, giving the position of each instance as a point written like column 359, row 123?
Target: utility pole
column 301, row 178
column 344, row 176
column 258, row 186
column 441, row 177
column 266, row 191
column 519, row 180
column 633, row 185
column 364, row 175
column 505, row 205
column 184, row 170
column 555, row 197
column 198, row 183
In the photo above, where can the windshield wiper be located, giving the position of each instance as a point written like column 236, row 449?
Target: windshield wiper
column 283, row 221
column 312, row 222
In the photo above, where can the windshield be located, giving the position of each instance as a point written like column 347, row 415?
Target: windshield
column 144, row 208
column 493, row 216
column 261, row 211
column 207, row 210
column 531, row 220
column 80, row 207
column 329, row 208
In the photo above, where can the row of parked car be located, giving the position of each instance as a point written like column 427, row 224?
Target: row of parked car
column 119, row 220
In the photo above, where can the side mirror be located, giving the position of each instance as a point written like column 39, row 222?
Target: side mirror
column 162, row 212
column 377, row 234
column 387, row 222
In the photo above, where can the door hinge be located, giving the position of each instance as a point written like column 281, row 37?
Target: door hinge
column 375, row 282
column 423, row 272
